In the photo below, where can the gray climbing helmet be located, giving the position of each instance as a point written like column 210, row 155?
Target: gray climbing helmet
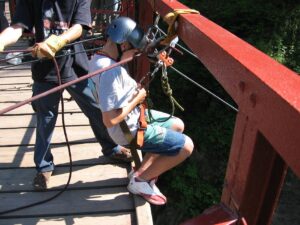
column 124, row 29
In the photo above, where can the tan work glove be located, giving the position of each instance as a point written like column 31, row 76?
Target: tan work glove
column 49, row 47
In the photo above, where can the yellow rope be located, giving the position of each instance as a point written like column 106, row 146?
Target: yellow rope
column 170, row 19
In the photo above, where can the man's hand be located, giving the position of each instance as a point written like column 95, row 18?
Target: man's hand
column 49, row 47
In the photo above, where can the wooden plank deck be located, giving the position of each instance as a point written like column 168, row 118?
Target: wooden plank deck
column 97, row 193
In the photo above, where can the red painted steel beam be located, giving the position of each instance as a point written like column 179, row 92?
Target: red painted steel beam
column 128, row 8
column 255, row 174
column 12, row 8
column 265, row 91
column 218, row 214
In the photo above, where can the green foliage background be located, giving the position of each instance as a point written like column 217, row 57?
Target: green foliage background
column 272, row 26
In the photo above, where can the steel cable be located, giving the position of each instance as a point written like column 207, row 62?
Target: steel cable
column 205, row 89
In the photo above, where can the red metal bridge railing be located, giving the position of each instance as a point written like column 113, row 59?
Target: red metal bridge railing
column 266, row 138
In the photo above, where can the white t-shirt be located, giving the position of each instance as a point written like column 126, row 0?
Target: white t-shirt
column 115, row 89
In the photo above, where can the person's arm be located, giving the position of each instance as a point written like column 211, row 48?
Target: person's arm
column 10, row 36
column 72, row 34
column 53, row 44
column 113, row 117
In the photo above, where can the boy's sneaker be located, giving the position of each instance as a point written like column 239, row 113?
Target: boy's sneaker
column 148, row 190
column 41, row 181
column 134, row 173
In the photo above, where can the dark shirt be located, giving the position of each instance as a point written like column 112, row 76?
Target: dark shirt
column 54, row 17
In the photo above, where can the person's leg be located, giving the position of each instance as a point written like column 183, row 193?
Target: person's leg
column 82, row 94
column 147, row 161
column 173, row 147
column 163, row 163
column 46, row 109
column 174, row 123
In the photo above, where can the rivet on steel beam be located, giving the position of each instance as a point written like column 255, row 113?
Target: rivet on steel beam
column 242, row 86
column 253, row 99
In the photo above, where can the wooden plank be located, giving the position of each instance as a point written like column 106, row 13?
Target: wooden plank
column 142, row 207
column 143, row 211
column 26, row 136
column 100, row 219
column 16, row 90
column 17, row 75
column 107, row 200
column 13, row 80
column 96, row 176
column 10, row 96
column 14, row 72
column 25, row 109
column 15, row 87
column 82, row 154
column 14, row 96
column 19, row 121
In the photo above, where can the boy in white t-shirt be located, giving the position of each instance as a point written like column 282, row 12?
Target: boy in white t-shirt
column 119, row 96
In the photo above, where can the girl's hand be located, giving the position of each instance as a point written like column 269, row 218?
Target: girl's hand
column 141, row 95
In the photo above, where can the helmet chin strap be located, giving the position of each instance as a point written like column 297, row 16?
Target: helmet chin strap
column 120, row 52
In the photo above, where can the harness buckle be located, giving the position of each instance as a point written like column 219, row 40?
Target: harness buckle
column 166, row 59
column 142, row 126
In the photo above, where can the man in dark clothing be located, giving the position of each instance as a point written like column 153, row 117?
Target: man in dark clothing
column 3, row 20
column 56, row 24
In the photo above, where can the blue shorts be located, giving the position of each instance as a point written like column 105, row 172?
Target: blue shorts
column 160, row 139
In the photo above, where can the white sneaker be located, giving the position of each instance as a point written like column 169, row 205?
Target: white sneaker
column 148, row 190
column 133, row 173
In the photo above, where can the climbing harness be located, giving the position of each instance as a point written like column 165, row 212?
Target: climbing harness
column 136, row 141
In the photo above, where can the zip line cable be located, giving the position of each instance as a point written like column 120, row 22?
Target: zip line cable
column 205, row 89
column 180, row 46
